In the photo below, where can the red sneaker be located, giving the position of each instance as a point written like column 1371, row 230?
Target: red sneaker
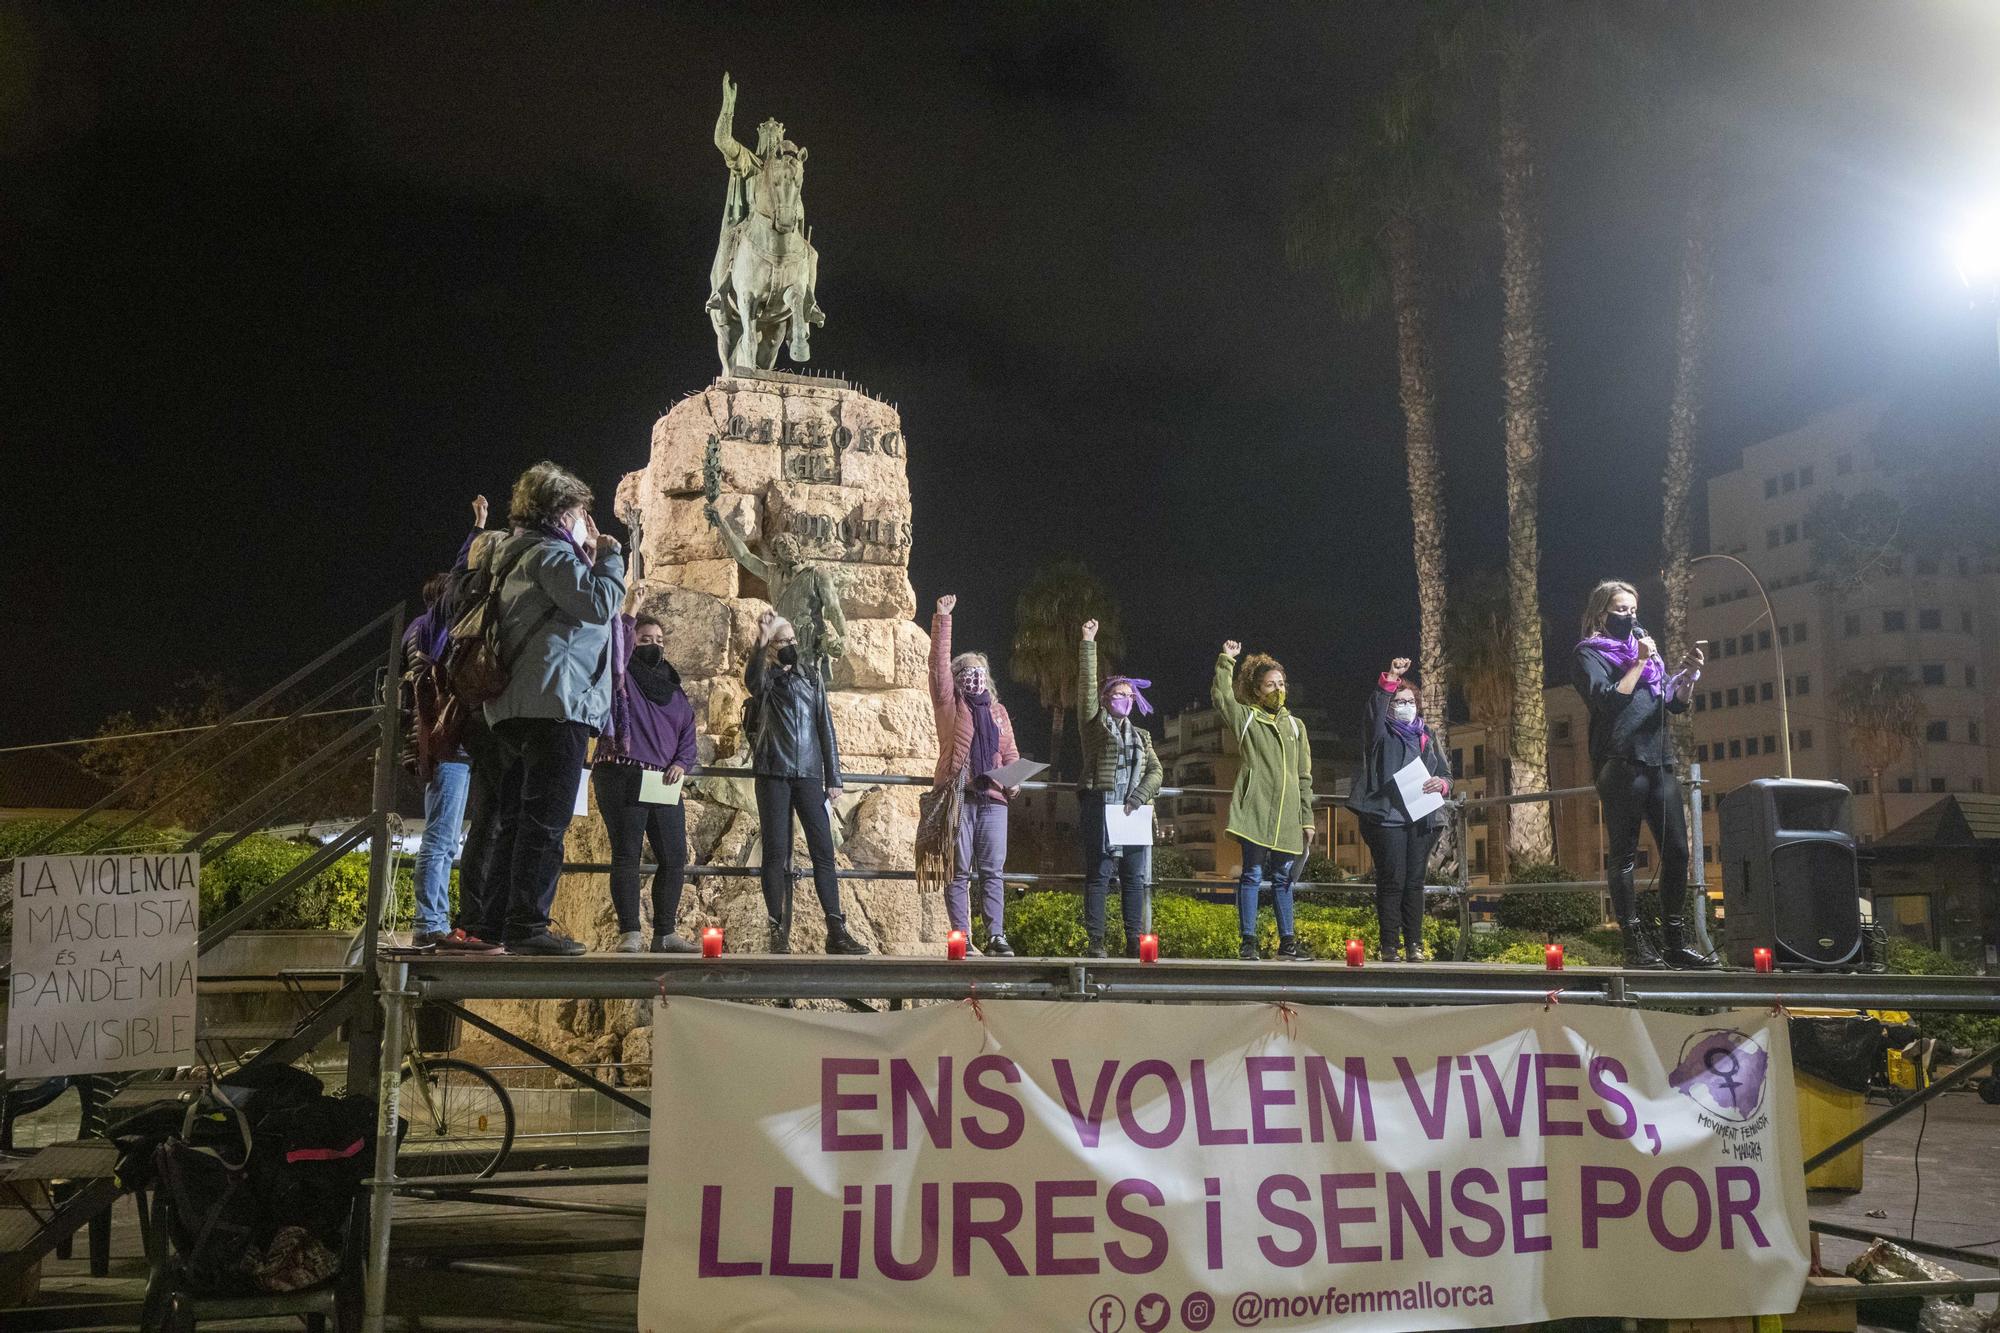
column 459, row 941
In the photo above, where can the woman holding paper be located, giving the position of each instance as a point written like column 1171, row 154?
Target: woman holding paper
column 1270, row 810
column 1121, row 772
column 975, row 737
column 797, row 764
column 646, row 750
column 1630, row 694
column 1397, row 741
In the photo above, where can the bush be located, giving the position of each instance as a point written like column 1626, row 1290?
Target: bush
column 1973, row 1031
column 1569, row 912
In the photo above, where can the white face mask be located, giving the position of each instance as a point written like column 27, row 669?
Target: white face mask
column 579, row 531
column 1406, row 712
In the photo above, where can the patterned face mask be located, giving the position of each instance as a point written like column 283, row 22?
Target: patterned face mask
column 972, row 681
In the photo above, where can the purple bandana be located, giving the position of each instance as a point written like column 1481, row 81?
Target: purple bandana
column 1414, row 731
column 1622, row 653
column 1138, row 696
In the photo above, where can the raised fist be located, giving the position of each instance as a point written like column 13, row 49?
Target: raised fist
column 478, row 511
column 1399, row 667
column 947, row 603
column 1090, row 631
column 1231, row 648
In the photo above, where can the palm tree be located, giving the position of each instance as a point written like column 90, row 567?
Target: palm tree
column 1480, row 638
column 1883, row 715
column 1367, row 223
column 1048, row 625
column 1524, row 364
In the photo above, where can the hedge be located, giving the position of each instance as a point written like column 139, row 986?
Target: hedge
column 335, row 899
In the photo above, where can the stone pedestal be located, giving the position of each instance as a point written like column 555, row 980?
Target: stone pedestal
column 824, row 462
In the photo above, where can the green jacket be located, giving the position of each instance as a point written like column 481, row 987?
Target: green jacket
column 1272, row 803
column 1099, row 727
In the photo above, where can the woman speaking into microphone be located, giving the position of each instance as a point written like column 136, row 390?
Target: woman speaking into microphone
column 1630, row 694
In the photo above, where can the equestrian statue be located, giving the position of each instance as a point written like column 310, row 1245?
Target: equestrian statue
column 766, row 270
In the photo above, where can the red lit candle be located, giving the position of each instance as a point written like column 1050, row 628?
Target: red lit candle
column 1356, row 953
column 954, row 945
column 1149, row 948
column 1552, row 957
column 711, row 942
column 1763, row 959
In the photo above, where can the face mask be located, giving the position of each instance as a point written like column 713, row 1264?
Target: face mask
column 1120, row 705
column 789, row 655
column 1406, row 712
column 648, row 654
column 1274, row 699
column 972, row 682
column 1619, row 627
column 578, row 531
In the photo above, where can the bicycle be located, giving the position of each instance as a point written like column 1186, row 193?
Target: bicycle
column 461, row 1120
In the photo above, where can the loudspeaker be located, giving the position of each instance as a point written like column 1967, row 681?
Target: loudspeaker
column 1789, row 879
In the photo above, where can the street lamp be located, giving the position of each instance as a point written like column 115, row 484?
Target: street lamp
column 1778, row 656
column 1975, row 249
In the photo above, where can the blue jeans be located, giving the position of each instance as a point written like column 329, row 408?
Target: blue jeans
column 1259, row 862
column 444, row 826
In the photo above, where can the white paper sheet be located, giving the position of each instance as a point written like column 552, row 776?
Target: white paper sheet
column 583, row 794
column 654, row 789
column 1133, row 830
column 1410, row 780
column 1014, row 774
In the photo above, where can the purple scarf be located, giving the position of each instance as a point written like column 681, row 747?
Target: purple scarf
column 1414, row 731
column 1622, row 653
column 985, row 750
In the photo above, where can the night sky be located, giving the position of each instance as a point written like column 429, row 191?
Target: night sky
column 282, row 286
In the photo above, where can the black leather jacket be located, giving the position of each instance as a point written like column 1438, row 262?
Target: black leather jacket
column 793, row 736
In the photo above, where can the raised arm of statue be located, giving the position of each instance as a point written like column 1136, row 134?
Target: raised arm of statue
column 740, row 159
column 835, row 618
column 731, row 538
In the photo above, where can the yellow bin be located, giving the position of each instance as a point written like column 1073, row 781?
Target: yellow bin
column 1826, row 1114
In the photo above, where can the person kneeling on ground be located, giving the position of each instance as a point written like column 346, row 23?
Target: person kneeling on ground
column 1396, row 736
column 1119, row 768
column 796, row 760
column 564, row 582
column 1270, row 810
column 975, row 736
column 651, row 731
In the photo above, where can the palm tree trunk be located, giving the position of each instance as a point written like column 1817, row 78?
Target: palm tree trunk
column 1523, row 355
column 1418, row 390
column 1684, row 424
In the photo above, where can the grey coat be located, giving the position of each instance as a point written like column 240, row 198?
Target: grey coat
column 555, row 631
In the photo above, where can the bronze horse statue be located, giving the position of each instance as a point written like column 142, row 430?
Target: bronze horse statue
column 762, row 285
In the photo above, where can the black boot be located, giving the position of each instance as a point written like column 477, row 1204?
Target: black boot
column 1094, row 947
column 781, row 936
column 1679, row 952
column 838, row 941
column 1639, row 950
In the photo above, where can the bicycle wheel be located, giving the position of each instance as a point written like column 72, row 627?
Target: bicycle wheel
column 461, row 1120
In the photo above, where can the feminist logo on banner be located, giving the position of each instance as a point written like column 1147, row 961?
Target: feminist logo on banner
column 1114, row 1167
column 103, row 973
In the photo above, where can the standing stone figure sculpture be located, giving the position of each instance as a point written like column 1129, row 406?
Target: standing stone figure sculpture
column 800, row 588
column 762, row 285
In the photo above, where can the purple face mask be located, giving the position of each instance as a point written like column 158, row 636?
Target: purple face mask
column 1120, row 705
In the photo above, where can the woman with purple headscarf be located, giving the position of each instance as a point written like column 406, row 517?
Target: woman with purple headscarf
column 1629, row 693
column 1119, row 768
column 1396, row 736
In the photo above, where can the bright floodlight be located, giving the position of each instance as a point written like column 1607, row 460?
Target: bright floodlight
column 1976, row 249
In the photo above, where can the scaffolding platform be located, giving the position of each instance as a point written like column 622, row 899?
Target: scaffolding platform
column 613, row 976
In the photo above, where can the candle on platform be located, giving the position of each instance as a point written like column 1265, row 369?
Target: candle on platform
column 1763, row 958
column 954, row 945
column 711, row 942
column 1357, row 953
column 1552, row 957
column 1149, row 948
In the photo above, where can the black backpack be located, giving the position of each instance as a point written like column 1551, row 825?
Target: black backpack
column 475, row 669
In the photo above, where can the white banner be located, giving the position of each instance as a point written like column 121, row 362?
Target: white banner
column 1112, row 1167
column 103, row 972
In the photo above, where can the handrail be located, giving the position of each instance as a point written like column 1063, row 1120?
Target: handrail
column 44, row 843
